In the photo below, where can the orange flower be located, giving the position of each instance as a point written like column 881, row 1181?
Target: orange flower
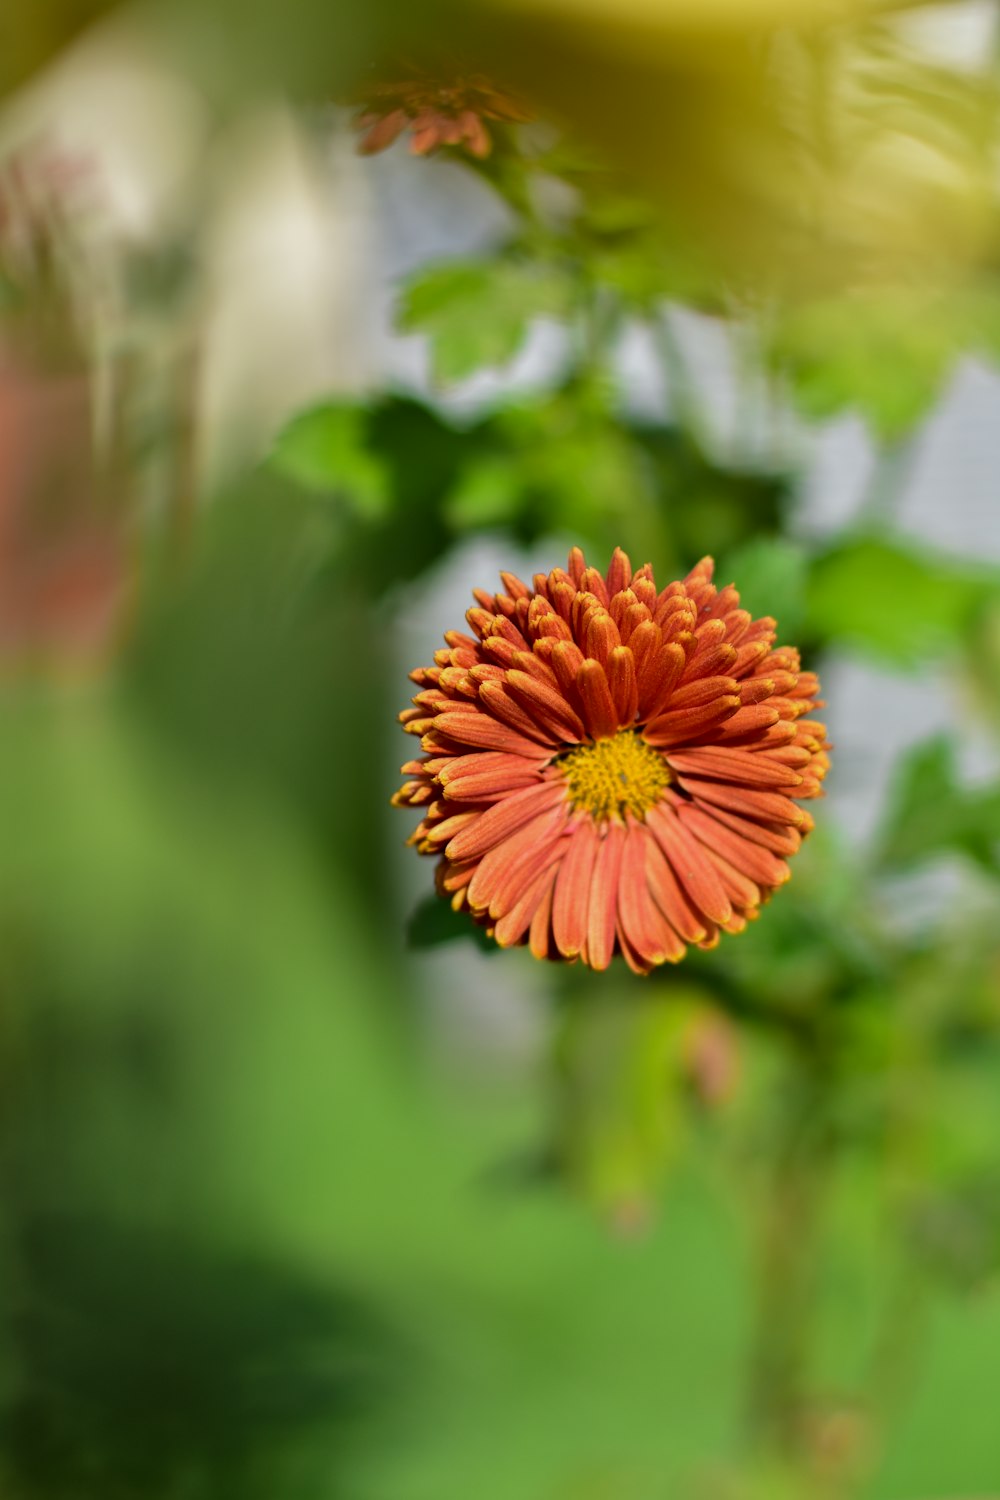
column 437, row 113
column 612, row 768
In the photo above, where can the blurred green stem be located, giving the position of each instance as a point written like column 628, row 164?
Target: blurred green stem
column 898, row 1343
column 788, row 1252
column 184, row 477
column 902, row 1327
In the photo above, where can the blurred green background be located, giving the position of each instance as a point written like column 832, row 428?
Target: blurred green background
column 304, row 1192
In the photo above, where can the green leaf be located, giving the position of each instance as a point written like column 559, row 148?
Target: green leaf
column 326, row 450
column 477, row 314
column 770, row 573
column 896, row 604
column 435, row 922
column 931, row 814
column 488, row 493
column 554, row 464
column 884, row 351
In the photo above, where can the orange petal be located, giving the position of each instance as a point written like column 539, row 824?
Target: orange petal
column 753, row 861
column 619, row 572
column 455, row 877
column 701, row 573
column 757, row 690
column 660, row 674
column 682, row 726
column 640, row 920
column 535, row 664
column 621, row 602
column 644, row 590
column 733, row 765
column 451, row 767
column 621, row 680
column 563, row 595
column 769, row 807
column 593, row 583
column 450, row 828
column 670, row 896
column 747, row 725
column 547, row 706
column 709, row 663
column 487, row 733
column 570, row 904
column 513, row 925
column 780, row 839
column 566, row 660
column 514, row 586
column 705, row 690
column 635, row 615
column 499, row 821
column 599, row 712
column 749, row 656
column 742, row 891
column 552, row 628
column 635, row 961
column 383, row 132
column 603, row 897
column 540, row 935
column 489, row 786
column 502, row 703
column 689, row 862
column 498, row 880
column 601, row 636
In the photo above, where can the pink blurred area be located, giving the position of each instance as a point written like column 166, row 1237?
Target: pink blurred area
column 62, row 559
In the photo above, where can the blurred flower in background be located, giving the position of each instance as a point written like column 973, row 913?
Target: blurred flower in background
column 62, row 572
column 436, row 111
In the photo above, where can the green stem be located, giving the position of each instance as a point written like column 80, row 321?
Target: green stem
column 184, row 478
column 788, row 1252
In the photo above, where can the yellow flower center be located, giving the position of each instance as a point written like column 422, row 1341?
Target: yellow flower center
column 615, row 774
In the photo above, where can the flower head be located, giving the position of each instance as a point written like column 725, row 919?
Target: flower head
column 609, row 767
column 437, row 112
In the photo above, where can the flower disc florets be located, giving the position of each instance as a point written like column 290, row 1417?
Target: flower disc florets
column 609, row 767
column 615, row 776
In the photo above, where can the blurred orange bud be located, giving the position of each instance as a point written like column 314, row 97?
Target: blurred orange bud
column 438, row 108
column 711, row 1058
